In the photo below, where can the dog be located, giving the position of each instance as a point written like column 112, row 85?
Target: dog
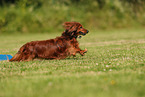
column 58, row 48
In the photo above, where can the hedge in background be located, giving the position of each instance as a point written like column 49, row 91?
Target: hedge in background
column 29, row 16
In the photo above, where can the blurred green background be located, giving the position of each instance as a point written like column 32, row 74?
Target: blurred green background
column 41, row 16
column 114, row 65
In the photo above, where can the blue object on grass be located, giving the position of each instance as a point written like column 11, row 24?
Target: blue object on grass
column 5, row 57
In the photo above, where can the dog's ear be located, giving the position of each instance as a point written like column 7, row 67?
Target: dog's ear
column 67, row 25
column 70, row 26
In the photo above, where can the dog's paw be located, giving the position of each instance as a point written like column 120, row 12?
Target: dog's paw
column 85, row 50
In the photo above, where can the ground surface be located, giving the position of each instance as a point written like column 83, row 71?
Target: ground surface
column 114, row 66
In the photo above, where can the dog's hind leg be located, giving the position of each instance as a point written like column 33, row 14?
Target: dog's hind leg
column 28, row 57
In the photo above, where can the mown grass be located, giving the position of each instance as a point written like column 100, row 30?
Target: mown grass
column 113, row 67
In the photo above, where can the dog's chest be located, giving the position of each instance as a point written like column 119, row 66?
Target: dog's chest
column 73, row 45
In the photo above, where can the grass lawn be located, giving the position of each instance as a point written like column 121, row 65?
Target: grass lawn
column 114, row 66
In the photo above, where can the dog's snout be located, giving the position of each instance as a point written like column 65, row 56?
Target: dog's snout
column 87, row 31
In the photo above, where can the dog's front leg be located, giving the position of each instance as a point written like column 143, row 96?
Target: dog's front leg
column 82, row 52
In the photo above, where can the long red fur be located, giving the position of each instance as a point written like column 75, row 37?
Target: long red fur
column 58, row 48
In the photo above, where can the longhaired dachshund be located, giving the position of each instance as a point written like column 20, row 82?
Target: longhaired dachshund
column 58, row 48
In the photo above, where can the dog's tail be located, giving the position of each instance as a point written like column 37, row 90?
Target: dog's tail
column 18, row 56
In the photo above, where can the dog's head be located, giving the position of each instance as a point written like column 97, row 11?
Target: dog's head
column 74, row 29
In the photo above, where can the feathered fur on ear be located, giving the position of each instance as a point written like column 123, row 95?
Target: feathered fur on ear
column 67, row 25
column 70, row 26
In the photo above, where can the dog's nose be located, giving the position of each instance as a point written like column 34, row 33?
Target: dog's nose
column 87, row 31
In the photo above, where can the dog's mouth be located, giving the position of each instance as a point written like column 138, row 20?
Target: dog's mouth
column 81, row 33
